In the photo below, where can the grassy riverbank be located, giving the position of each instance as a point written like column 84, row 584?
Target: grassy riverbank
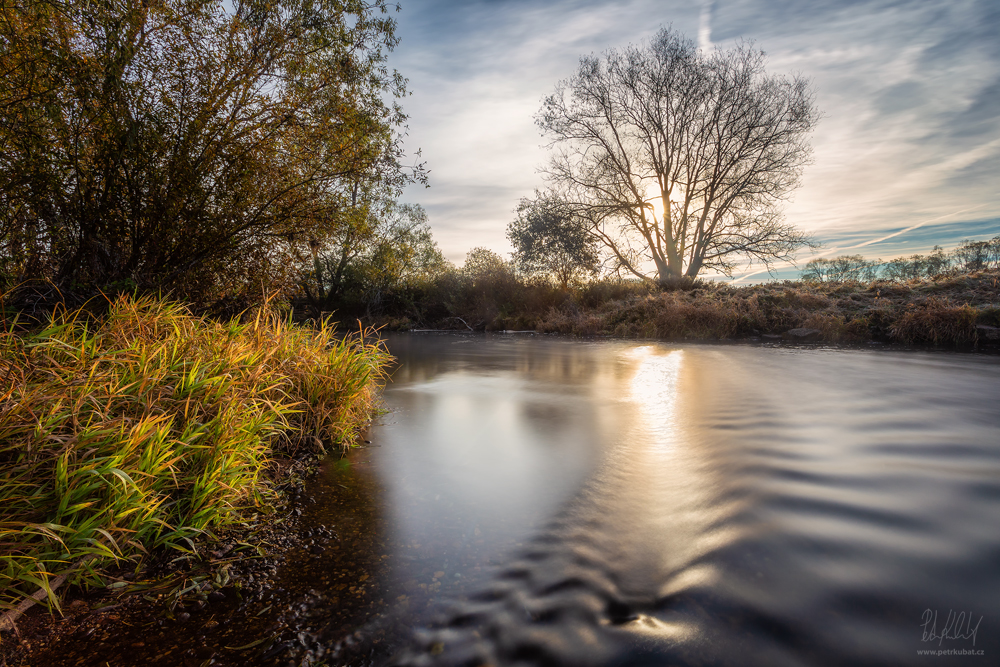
column 138, row 430
column 955, row 310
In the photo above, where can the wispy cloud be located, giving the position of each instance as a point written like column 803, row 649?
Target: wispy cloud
column 705, row 25
column 909, row 92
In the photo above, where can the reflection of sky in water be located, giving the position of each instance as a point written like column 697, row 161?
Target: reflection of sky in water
column 716, row 504
column 479, row 437
column 486, row 449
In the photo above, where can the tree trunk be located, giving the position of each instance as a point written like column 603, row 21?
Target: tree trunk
column 693, row 268
column 318, row 268
column 668, row 276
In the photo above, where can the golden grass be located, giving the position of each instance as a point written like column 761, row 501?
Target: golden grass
column 140, row 429
column 940, row 311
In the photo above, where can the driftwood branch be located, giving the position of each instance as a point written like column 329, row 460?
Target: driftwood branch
column 11, row 615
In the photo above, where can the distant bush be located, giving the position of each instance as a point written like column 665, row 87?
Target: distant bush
column 967, row 257
column 842, row 269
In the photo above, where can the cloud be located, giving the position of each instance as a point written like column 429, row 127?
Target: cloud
column 909, row 92
column 705, row 25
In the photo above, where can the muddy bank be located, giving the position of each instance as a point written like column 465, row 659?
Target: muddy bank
column 303, row 587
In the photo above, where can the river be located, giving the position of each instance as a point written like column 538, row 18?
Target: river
column 564, row 502
column 536, row 500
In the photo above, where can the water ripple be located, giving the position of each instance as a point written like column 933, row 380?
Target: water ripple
column 696, row 505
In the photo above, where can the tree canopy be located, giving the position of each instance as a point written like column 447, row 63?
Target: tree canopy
column 196, row 145
column 549, row 239
column 679, row 158
column 363, row 262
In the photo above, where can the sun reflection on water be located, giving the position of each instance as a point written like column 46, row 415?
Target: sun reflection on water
column 672, row 490
column 654, row 389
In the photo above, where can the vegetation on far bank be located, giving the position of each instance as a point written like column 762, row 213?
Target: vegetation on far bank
column 145, row 426
column 956, row 305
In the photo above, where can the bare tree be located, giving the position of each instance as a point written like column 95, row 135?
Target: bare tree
column 844, row 268
column 678, row 158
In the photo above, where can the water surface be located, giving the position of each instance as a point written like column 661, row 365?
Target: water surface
column 560, row 502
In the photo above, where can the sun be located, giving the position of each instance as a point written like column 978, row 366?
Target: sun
column 657, row 204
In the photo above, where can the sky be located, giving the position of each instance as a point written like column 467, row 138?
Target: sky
column 906, row 154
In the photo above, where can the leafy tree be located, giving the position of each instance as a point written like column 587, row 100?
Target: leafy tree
column 549, row 239
column 936, row 263
column 978, row 255
column 902, row 269
column 488, row 287
column 677, row 158
column 484, row 264
column 915, row 267
column 367, row 259
column 190, row 144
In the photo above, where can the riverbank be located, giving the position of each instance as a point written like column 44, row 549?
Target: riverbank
column 218, row 594
column 292, row 588
column 957, row 311
column 144, row 450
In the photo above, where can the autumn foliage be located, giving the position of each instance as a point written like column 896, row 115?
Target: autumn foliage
column 196, row 146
